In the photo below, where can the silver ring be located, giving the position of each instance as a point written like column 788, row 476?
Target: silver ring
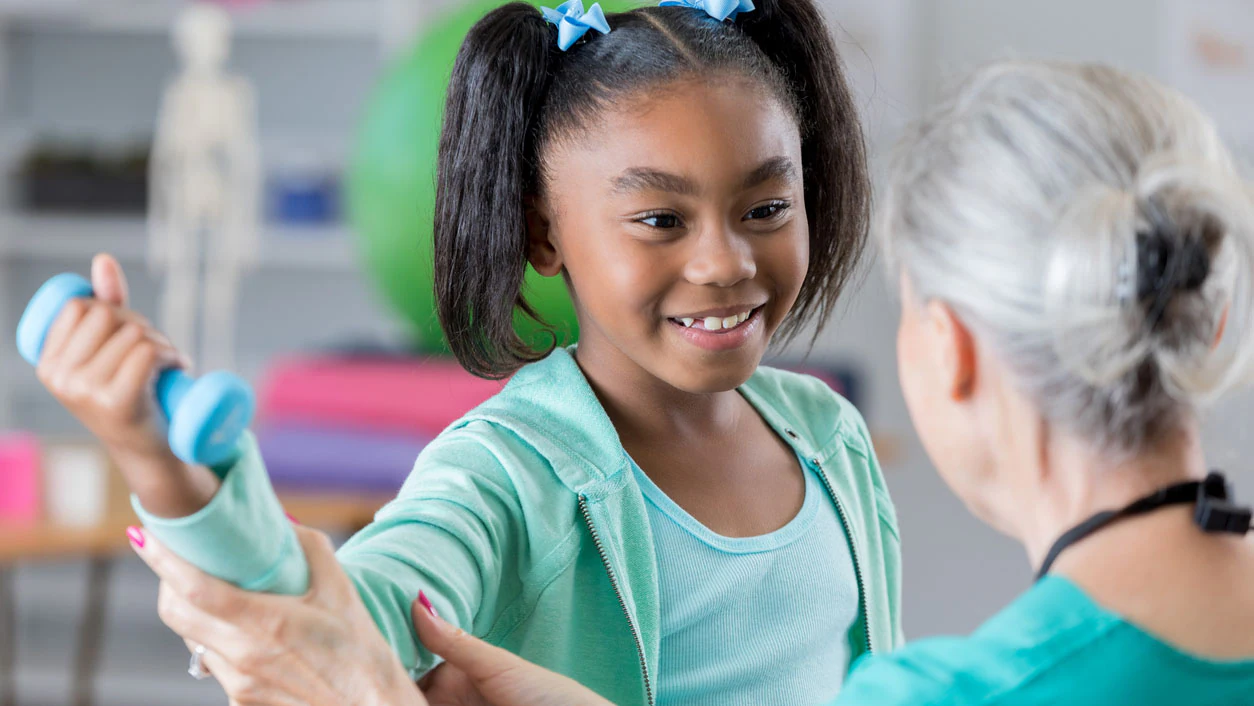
column 196, row 667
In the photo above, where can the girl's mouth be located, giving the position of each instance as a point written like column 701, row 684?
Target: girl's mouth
column 719, row 333
column 716, row 323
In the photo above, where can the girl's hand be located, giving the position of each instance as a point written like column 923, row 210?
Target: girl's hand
column 100, row 360
column 321, row 649
column 475, row 673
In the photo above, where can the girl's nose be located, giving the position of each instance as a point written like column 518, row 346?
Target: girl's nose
column 720, row 258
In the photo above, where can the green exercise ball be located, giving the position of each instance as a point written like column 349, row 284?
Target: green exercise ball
column 391, row 187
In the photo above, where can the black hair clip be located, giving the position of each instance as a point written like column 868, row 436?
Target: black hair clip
column 1167, row 264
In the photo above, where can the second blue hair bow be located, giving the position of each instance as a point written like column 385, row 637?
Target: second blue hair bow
column 572, row 22
column 718, row 9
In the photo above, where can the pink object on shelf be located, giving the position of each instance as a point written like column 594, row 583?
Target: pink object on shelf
column 420, row 395
column 20, row 489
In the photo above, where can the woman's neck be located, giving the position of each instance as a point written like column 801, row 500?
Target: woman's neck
column 1072, row 482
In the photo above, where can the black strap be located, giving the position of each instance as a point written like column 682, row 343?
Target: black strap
column 1213, row 514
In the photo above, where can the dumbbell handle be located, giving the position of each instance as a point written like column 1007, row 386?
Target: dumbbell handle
column 206, row 415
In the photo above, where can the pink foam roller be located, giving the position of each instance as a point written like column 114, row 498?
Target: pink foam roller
column 422, row 396
column 20, row 489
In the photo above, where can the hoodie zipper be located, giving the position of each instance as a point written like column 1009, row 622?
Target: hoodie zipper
column 631, row 624
column 853, row 550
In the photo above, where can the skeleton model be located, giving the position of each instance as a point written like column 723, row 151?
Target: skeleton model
column 204, row 182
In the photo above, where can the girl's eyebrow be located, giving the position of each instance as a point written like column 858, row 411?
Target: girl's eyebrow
column 775, row 168
column 637, row 179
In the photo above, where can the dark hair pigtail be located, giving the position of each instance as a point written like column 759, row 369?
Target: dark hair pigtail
column 487, row 166
column 796, row 39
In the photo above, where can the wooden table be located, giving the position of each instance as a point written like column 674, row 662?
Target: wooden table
column 101, row 544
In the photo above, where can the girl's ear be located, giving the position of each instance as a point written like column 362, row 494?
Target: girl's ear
column 542, row 250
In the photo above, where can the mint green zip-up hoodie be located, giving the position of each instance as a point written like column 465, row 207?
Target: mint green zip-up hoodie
column 524, row 525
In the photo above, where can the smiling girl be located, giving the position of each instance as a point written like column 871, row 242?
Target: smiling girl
column 652, row 496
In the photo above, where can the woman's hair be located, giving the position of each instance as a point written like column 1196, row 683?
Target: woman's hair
column 514, row 93
column 1092, row 227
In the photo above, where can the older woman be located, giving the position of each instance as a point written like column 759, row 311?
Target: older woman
column 1075, row 252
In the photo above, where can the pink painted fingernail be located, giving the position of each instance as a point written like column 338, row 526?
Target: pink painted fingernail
column 426, row 603
column 291, row 519
column 136, row 535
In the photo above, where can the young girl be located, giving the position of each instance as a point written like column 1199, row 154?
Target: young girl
column 698, row 178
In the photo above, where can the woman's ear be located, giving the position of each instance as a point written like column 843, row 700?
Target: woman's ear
column 542, row 250
column 955, row 350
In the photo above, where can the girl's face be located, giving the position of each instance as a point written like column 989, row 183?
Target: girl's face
column 679, row 218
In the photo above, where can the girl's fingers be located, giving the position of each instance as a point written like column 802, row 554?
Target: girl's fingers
column 61, row 331
column 104, row 366
column 95, row 328
column 181, row 360
column 139, row 367
column 97, row 325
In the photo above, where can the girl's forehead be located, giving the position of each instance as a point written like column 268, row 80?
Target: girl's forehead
column 705, row 130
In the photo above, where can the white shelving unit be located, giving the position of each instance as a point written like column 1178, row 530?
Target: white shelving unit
column 317, row 254
column 391, row 23
column 77, row 238
column 293, row 19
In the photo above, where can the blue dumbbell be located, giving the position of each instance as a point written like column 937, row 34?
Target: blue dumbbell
column 206, row 414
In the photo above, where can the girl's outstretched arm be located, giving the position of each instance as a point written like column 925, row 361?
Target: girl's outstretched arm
column 452, row 533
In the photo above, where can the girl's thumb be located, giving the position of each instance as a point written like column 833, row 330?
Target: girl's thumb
column 107, row 280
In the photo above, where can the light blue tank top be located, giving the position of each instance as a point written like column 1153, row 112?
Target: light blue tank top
column 754, row 620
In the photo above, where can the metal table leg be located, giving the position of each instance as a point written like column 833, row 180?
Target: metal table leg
column 91, row 632
column 8, row 639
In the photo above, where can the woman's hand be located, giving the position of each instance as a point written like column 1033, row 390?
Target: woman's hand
column 475, row 673
column 100, row 360
column 321, row 649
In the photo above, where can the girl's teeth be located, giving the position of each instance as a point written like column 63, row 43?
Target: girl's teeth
column 717, row 323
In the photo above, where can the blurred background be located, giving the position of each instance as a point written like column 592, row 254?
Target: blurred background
column 346, row 107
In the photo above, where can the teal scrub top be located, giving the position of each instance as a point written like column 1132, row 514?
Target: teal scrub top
column 1053, row 645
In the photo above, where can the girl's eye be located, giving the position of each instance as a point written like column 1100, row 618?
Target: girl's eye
column 765, row 211
column 660, row 220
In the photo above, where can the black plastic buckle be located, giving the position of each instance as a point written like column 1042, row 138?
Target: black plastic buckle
column 1214, row 513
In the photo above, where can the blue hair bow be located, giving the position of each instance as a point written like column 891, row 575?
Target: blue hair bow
column 572, row 22
column 718, row 9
